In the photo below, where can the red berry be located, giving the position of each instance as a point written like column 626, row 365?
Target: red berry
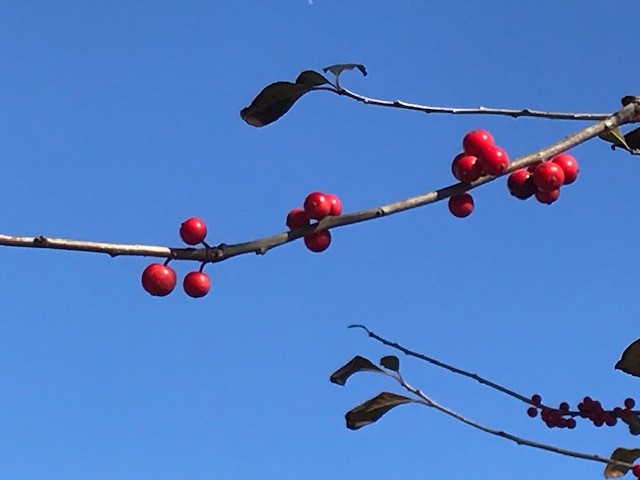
column 474, row 141
column 536, row 400
column 297, row 218
column 569, row 166
column 520, row 184
column 626, row 413
column 547, row 197
column 319, row 241
column 610, row 420
column 493, row 160
column 317, row 205
column 196, row 284
column 468, row 169
column 193, row 231
column 629, row 403
column 571, row 423
column 336, row 204
column 461, row 205
column 158, row 279
column 564, row 407
column 532, row 412
column 454, row 164
column 548, row 176
column 636, row 470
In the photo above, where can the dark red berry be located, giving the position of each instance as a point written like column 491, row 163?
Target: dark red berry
column 493, row 160
column 571, row 423
column 532, row 412
column 636, row 470
column 547, row 197
column 626, row 413
column 159, row 280
column 520, row 184
column 193, row 231
column 629, row 403
column 474, row 141
column 461, row 205
column 569, row 166
column 317, row 205
column 610, row 420
column 564, row 407
column 336, row 204
column 468, row 169
column 297, row 218
column 454, row 164
column 319, row 241
column 536, row 400
column 548, row 176
column 196, row 284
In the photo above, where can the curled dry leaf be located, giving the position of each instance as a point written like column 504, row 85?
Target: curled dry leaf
column 625, row 455
column 273, row 102
column 391, row 362
column 341, row 67
column 371, row 410
column 633, row 421
column 630, row 360
column 356, row 364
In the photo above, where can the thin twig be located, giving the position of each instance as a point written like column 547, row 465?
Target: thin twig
column 515, row 113
column 223, row 252
column 427, row 401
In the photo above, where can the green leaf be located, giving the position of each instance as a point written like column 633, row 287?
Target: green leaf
column 371, row 410
column 273, row 102
column 311, row 78
column 341, row 67
column 625, row 455
column 356, row 364
column 633, row 420
column 630, row 360
column 391, row 362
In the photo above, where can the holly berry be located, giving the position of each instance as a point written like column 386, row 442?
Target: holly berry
column 532, row 412
column 547, row 197
column 454, row 164
column 319, row 241
column 159, row 280
column 493, row 160
column 468, row 168
column 297, row 218
column 636, row 470
column 520, row 184
column 564, row 407
column 317, row 205
column 193, row 231
column 196, row 284
column 548, row 176
column 474, row 141
column 461, row 205
column 536, row 400
column 569, row 166
column 629, row 403
column 336, row 204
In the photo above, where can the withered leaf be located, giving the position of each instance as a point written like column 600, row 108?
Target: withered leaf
column 341, row 67
column 630, row 360
column 627, row 99
column 311, row 78
column 633, row 140
column 273, row 102
column 356, row 364
column 371, row 410
column 622, row 455
column 633, row 421
column 615, row 137
column 391, row 362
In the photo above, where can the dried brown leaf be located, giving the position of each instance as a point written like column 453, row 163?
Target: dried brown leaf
column 625, row 455
column 273, row 102
column 630, row 360
column 371, row 410
column 356, row 364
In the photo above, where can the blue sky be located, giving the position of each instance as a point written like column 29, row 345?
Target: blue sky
column 118, row 120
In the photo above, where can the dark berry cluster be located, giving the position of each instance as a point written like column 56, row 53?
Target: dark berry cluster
column 316, row 206
column 480, row 156
column 588, row 408
column 159, row 279
column 544, row 179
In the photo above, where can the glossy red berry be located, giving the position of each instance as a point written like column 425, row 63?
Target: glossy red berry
column 196, row 284
column 564, row 407
column 297, row 218
column 532, row 412
column 336, row 204
column 454, row 164
column 520, row 184
column 319, row 241
column 493, row 160
column 159, row 280
column 548, row 176
column 636, row 470
column 536, row 400
column 547, row 197
column 461, row 205
column 569, row 166
column 317, row 205
column 629, row 403
column 474, row 141
column 571, row 423
column 468, row 169
column 193, row 231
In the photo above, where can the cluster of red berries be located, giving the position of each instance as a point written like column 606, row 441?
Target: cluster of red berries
column 159, row 279
column 562, row 417
column 316, row 206
column 544, row 179
column 480, row 156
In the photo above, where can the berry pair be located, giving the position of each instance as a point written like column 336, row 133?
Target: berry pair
column 544, row 179
column 481, row 156
column 316, row 206
column 159, row 279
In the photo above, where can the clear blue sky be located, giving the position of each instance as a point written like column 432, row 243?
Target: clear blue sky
column 118, row 120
